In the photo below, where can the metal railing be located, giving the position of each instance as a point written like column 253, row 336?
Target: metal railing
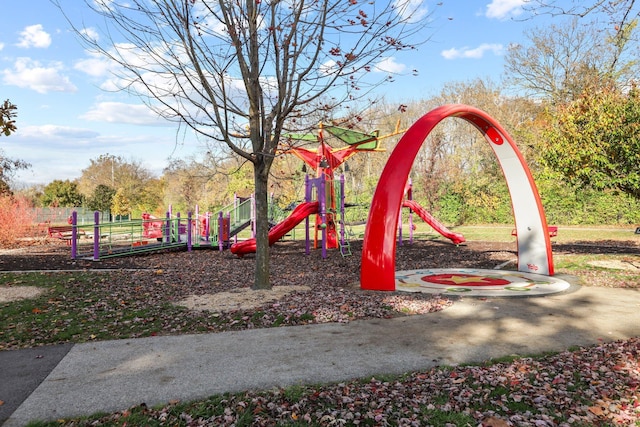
column 111, row 239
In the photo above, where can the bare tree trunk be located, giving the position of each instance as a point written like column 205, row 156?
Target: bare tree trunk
column 261, row 280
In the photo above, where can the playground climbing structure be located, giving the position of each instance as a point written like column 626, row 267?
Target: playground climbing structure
column 325, row 159
column 320, row 201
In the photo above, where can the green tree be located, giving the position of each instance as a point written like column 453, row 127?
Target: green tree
column 240, row 73
column 151, row 196
column 594, row 141
column 61, row 194
column 120, row 205
column 101, row 198
column 8, row 113
column 118, row 173
column 185, row 184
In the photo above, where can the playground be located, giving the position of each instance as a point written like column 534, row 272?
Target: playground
column 325, row 200
column 158, row 291
column 531, row 274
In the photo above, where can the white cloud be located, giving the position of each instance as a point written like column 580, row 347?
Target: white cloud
column 1, row 46
column 475, row 53
column 389, row 65
column 31, row 74
column 118, row 112
column 95, row 66
column 105, row 5
column 62, row 152
column 90, row 33
column 328, row 67
column 503, row 9
column 34, row 36
column 208, row 20
column 134, row 57
column 411, row 10
column 64, row 133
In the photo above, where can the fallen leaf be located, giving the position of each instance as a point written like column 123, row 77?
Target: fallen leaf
column 494, row 422
column 596, row 410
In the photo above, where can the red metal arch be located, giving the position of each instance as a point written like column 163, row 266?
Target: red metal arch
column 379, row 248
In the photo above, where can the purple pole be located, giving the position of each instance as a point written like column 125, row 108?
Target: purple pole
column 323, row 214
column 177, row 228
column 207, row 226
column 96, row 236
column 167, row 228
column 410, row 213
column 220, row 231
column 74, row 234
column 189, row 224
column 307, row 198
column 342, row 209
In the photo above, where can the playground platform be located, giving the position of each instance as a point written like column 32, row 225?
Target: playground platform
column 82, row 379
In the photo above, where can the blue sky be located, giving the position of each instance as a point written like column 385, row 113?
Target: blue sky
column 65, row 118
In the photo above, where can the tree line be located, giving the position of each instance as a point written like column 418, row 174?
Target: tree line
column 455, row 175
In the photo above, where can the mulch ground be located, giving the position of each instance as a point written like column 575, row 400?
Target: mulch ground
column 289, row 264
column 288, row 255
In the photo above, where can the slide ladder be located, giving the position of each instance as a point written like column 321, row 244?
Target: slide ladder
column 345, row 248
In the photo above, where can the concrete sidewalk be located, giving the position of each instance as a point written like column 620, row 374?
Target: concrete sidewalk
column 114, row 375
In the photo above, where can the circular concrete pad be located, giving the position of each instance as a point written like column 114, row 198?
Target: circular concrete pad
column 478, row 282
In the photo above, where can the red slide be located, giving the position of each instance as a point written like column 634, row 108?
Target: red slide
column 456, row 238
column 301, row 211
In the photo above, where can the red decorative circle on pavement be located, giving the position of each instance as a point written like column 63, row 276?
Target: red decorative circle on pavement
column 477, row 282
column 458, row 279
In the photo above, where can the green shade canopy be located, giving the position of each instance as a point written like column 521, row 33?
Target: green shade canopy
column 364, row 141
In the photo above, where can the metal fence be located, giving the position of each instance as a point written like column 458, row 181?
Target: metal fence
column 62, row 215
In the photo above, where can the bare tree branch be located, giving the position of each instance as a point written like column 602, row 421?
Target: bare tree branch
column 240, row 72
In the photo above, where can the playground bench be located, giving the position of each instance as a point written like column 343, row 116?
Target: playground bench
column 553, row 231
column 63, row 232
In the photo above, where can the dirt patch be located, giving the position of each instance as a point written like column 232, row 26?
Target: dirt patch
column 241, row 299
column 15, row 293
